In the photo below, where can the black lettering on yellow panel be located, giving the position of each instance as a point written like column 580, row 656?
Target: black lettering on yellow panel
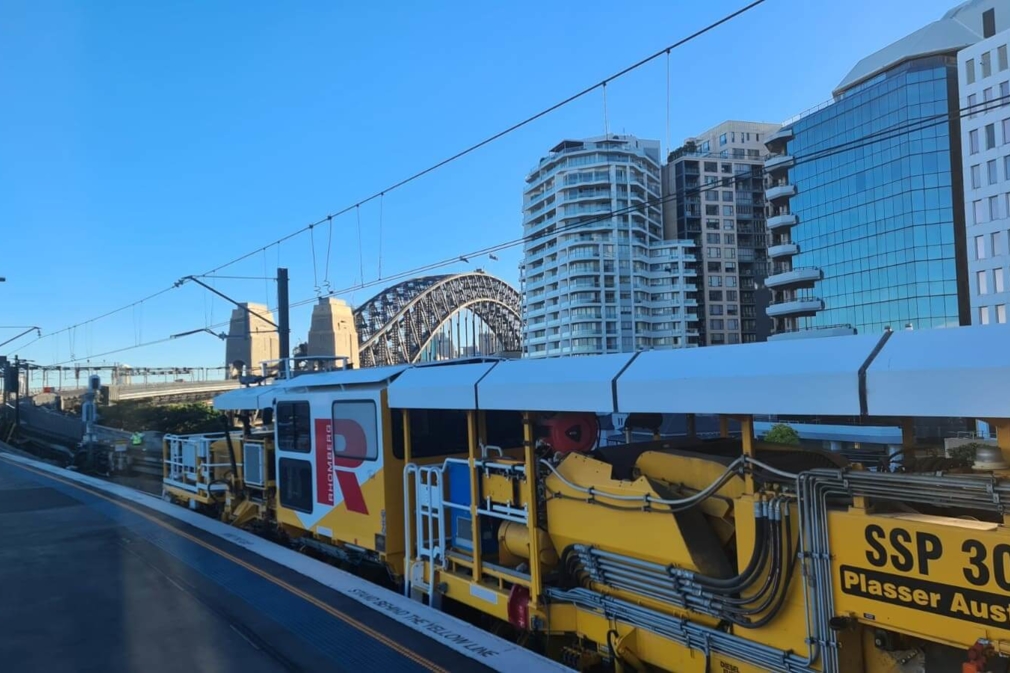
column 980, row 607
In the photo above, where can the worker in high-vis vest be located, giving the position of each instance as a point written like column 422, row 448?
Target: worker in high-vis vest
column 137, row 439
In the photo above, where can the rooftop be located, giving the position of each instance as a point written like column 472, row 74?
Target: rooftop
column 957, row 29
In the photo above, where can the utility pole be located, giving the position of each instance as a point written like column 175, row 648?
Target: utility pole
column 17, row 394
column 283, row 315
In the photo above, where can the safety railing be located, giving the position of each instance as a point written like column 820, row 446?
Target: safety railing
column 189, row 464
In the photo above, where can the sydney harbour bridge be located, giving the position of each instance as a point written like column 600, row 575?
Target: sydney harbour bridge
column 439, row 317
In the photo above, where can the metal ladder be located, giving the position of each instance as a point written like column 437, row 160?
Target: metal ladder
column 425, row 540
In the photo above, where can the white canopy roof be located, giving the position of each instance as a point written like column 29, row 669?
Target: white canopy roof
column 347, row 377
column 452, row 386
column 245, row 399
column 553, row 384
column 962, row 371
column 802, row 376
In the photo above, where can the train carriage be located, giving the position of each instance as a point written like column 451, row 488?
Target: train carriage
column 485, row 487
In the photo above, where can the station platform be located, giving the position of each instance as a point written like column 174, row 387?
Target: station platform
column 98, row 577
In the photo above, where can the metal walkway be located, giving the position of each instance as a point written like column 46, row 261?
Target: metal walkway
column 95, row 582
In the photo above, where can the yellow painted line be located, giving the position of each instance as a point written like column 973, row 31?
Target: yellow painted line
column 342, row 616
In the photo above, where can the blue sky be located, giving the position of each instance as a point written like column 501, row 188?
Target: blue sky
column 142, row 142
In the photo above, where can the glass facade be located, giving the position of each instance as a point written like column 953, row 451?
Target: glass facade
column 878, row 210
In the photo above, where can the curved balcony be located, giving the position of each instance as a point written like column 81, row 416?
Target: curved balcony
column 778, row 192
column 798, row 308
column 802, row 277
column 783, row 250
column 783, row 220
column 779, row 138
column 778, row 162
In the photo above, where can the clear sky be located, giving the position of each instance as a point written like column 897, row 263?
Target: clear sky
column 142, row 142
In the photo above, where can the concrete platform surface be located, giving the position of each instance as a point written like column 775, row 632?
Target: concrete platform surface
column 93, row 582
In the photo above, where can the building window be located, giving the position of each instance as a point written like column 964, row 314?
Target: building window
column 1001, row 57
column 716, row 339
column 983, row 315
column 717, row 324
column 986, row 63
column 711, row 167
column 972, row 102
column 990, row 136
column 731, row 252
column 713, row 253
column 714, row 267
column 1004, row 96
column 712, row 224
column 994, row 208
column 722, row 139
column 997, row 279
column 978, row 211
column 715, row 281
column 976, row 176
column 730, row 281
column 986, row 96
column 979, row 247
column 994, row 242
column 973, row 141
column 1006, row 167
column 1001, row 313
column 728, row 169
column 711, row 195
column 715, row 295
column 730, row 225
column 711, row 210
column 1006, row 130
column 969, row 70
column 727, row 196
column 730, row 295
column 712, row 238
column 982, row 282
column 732, row 323
column 706, row 147
column 715, row 309
column 727, row 211
column 992, row 171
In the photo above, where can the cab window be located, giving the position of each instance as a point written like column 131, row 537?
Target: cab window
column 294, row 427
column 355, row 434
column 296, row 484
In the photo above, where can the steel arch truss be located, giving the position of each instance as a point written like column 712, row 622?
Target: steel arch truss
column 396, row 325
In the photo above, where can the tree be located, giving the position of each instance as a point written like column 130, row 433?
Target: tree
column 781, row 433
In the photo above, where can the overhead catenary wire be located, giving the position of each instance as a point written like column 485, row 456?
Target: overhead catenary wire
column 917, row 124
column 436, row 166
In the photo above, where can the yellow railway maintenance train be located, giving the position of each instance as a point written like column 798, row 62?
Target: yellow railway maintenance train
column 481, row 487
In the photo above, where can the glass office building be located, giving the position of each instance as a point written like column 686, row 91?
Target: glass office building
column 865, row 194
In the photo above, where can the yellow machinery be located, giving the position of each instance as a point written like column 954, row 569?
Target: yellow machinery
column 227, row 475
column 485, row 488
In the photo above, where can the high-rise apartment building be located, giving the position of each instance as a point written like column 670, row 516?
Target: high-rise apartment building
column 713, row 194
column 866, row 194
column 597, row 276
column 984, row 77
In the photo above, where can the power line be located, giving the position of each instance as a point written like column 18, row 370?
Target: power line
column 920, row 123
column 458, row 155
column 904, row 128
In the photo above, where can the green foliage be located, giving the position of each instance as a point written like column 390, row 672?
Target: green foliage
column 180, row 419
column 781, row 433
column 966, row 452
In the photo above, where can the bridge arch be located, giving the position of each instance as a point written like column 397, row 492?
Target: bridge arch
column 398, row 324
